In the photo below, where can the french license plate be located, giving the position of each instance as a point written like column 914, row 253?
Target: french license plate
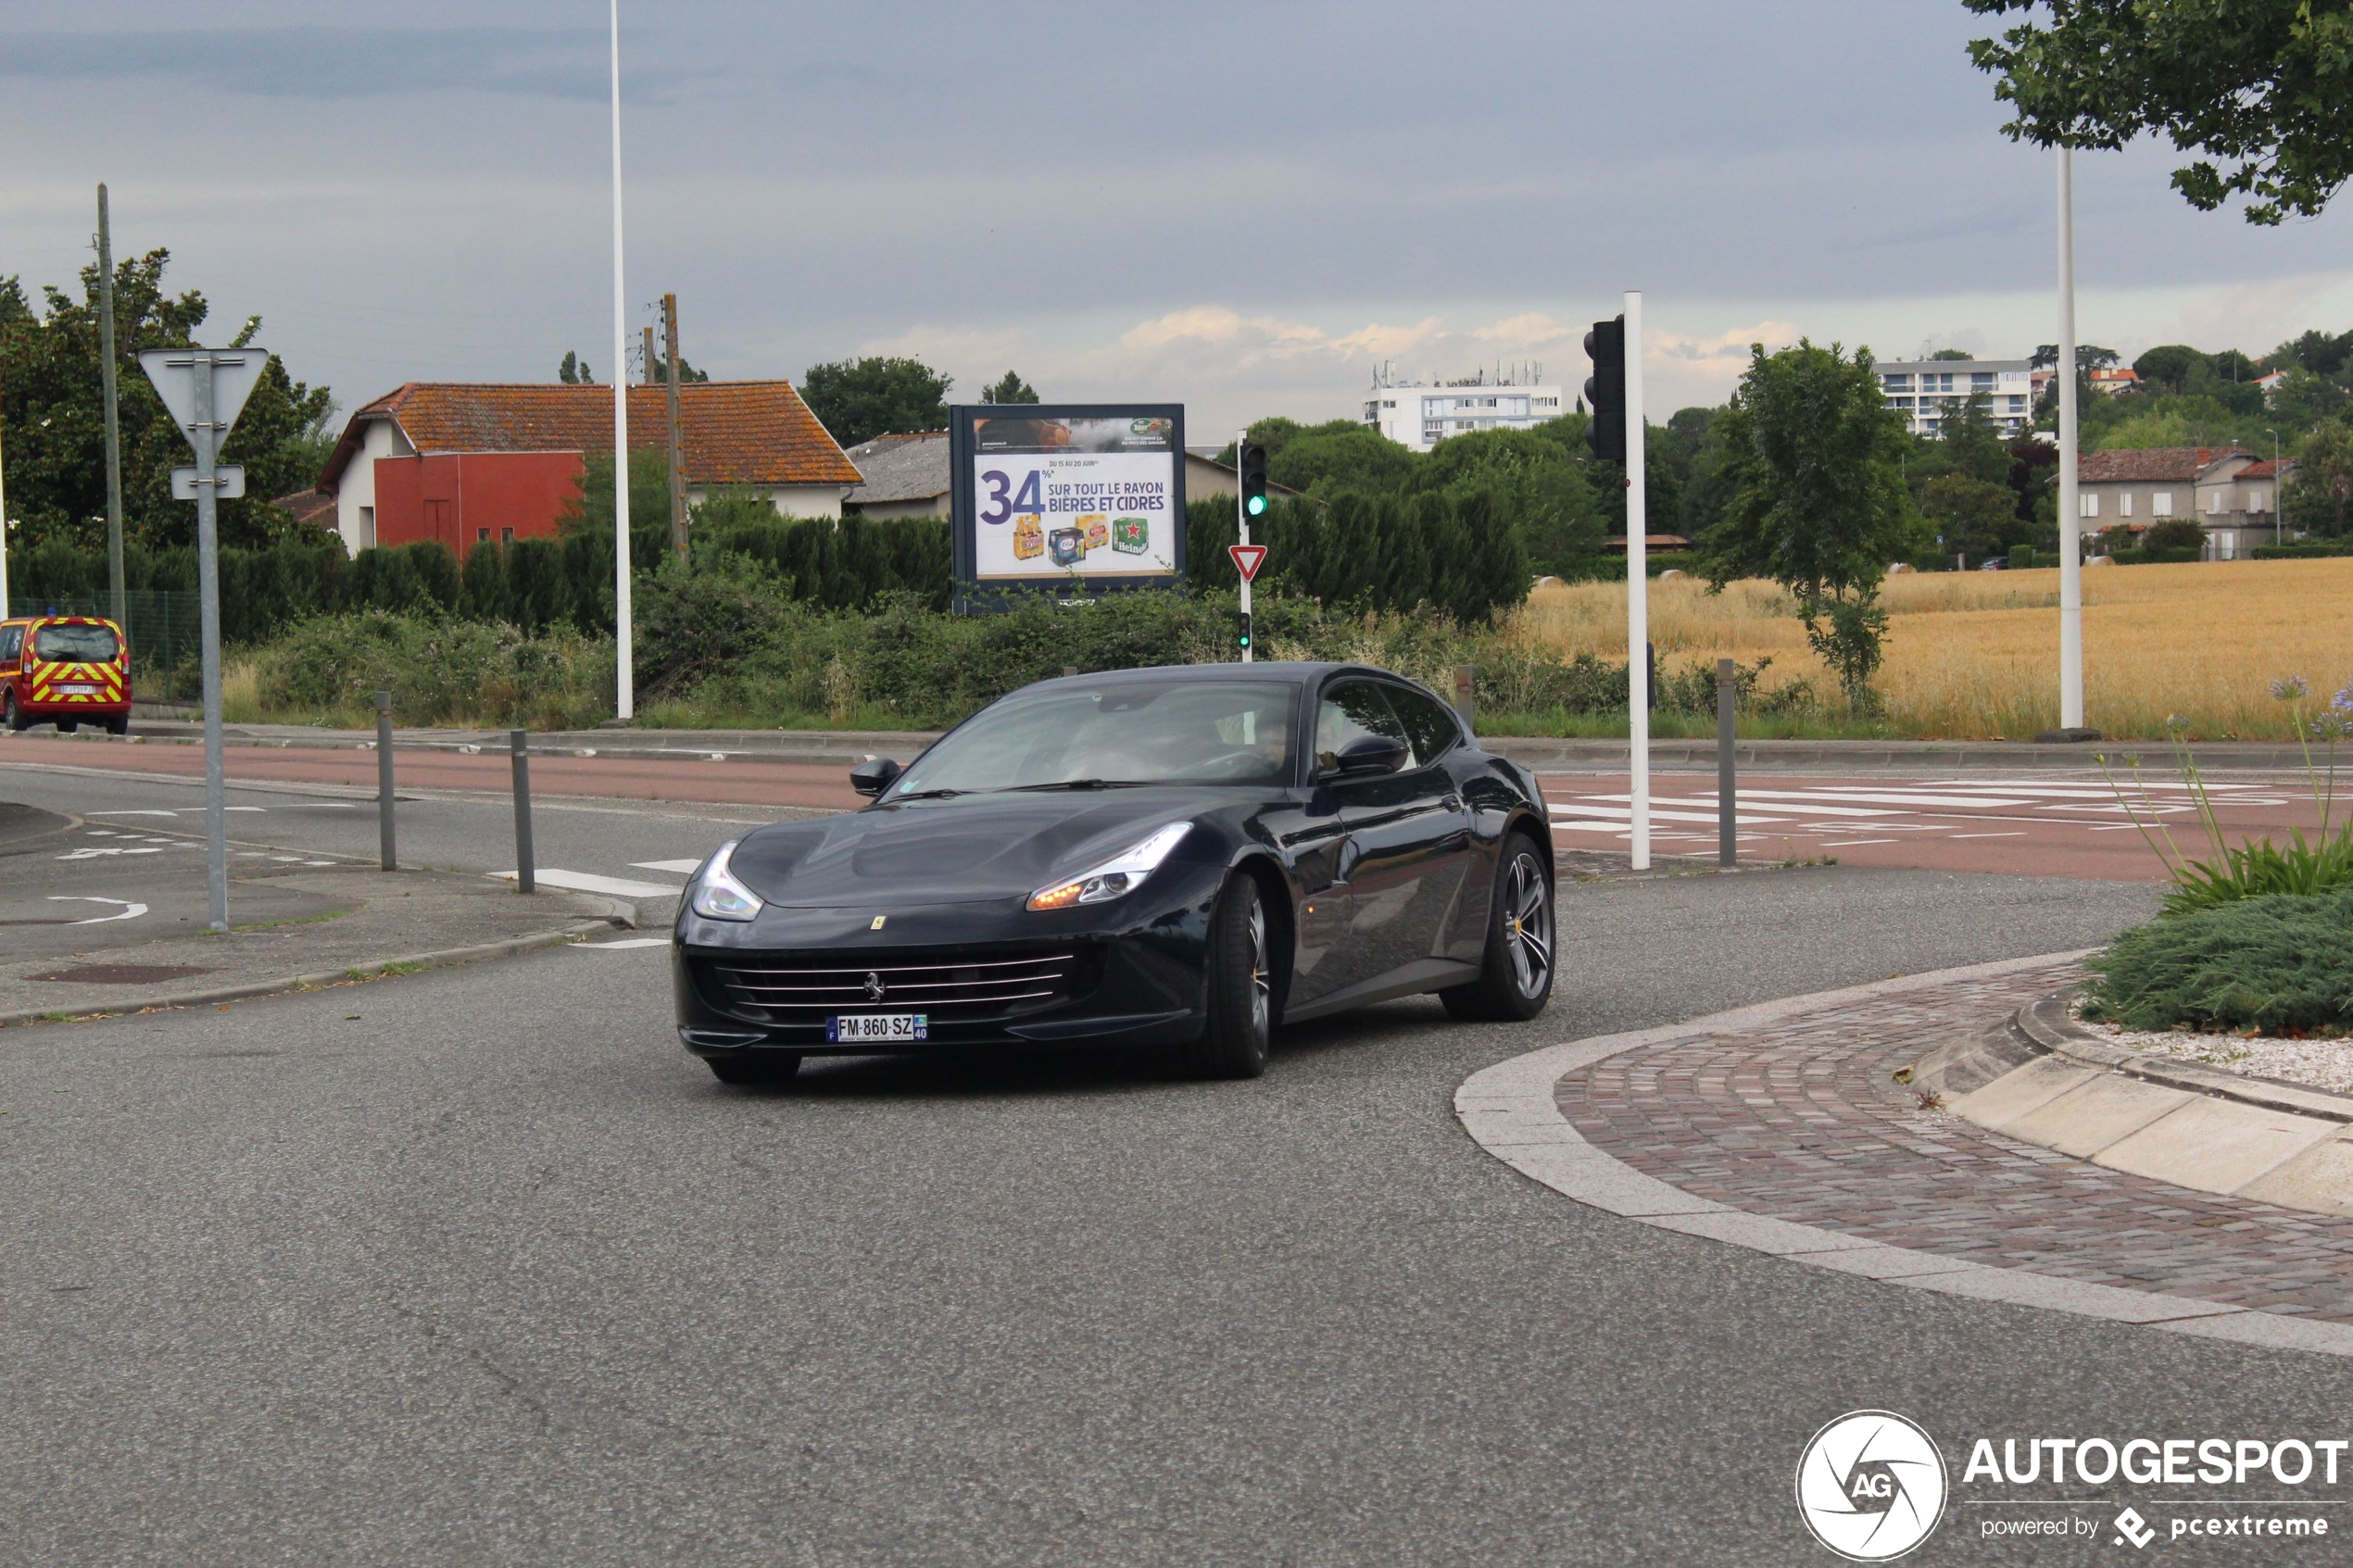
column 876, row 1028
column 79, row 691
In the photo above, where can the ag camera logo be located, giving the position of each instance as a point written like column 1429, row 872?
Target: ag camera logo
column 1871, row 1485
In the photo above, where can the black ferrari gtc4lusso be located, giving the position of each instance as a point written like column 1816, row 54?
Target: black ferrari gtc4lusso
column 1183, row 857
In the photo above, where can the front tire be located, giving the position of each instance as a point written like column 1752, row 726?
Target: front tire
column 69, row 726
column 754, row 1070
column 1239, row 1031
column 1516, row 975
column 120, row 724
column 10, row 714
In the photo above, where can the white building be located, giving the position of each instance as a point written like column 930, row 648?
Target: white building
column 1420, row 415
column 1928, row 391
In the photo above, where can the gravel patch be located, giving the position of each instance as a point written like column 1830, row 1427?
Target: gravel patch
column 2319, row 1064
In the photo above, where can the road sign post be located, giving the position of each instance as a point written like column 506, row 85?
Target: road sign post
column 205, row 389
column 1248, row 558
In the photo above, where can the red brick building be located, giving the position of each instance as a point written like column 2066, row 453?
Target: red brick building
column 463, row 464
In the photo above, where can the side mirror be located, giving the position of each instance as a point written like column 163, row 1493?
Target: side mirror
column 1367, row 756
column 871, row 778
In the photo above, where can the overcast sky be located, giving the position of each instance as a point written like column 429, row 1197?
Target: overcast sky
column 1244, row 207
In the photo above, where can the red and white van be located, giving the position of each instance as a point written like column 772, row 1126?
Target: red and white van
column 68, row 669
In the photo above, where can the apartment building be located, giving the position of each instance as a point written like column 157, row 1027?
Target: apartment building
column 1928, row 392
column 1420, row 415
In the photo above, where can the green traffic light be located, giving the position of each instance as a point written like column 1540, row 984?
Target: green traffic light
column 1257, row 505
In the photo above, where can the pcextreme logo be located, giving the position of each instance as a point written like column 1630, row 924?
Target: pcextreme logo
column 1871, row 1485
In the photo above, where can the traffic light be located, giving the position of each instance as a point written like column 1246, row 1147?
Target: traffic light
column 1241, row 631
column 1252, row 461
column 1606, row 389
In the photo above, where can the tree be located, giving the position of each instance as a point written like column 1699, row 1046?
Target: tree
column 2173, row 534
column 2171, row 365
column 1340, row 455
column 51, row 388
column 2324, row 478
column 1972, row 516
column 1943, row 354
column 574, row 371
column 1814, row 461
column 686, row 373
column 857, row 400
column 2257, row 86
column 1012, row 389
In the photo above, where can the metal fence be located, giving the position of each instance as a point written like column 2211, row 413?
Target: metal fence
column 161, row 627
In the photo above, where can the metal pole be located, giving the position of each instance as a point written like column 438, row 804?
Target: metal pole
column 1638, row 618
column 3, row 549
column 114, row 421
column 1241, row 531
column 2279, row 493
column 216, row 822
column 526, row 872
column 384, row 852
column 2070, row 523
column 1728, row 832
column 677, row 436
column 624, row 677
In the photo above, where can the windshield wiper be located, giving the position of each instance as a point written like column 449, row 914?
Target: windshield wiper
column 1076, row 783
column 929, row 794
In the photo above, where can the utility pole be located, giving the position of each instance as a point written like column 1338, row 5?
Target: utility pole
column 625, row 674
column 114, row 424
column 2279, row 491
column 649, row 356
column 4, row 546
column 677, row 441
column 2070, row 523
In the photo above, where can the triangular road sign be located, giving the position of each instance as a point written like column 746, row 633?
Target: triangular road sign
column 1248, row 559
column 174, row 372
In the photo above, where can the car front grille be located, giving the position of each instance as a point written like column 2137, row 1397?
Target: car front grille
column 977, row 986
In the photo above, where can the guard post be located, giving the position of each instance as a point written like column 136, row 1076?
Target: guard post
column 1728, row 830
column 526, row 879
column 383, row 781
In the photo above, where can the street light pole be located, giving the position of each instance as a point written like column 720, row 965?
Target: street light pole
column 625, row 697
column 2279, row 490
column 2071, row 540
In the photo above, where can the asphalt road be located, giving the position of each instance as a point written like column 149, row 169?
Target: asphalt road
column 476, row 1267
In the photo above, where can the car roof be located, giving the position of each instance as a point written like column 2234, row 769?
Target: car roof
column 1285, row 672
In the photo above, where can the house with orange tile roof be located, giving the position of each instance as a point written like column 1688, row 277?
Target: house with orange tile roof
column 467, row 464
column 2228, row 491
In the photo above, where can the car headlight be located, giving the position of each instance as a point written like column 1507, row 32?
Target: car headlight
column 1114, row 877
column 717, row 895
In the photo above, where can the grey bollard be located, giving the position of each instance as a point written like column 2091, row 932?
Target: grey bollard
column 383, row 780
column 526, row 876
column 1728, row 830
column 1466, row 696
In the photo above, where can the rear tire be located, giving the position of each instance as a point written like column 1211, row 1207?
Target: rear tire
column 69, row 726
column 752, row 1070
column 1516, row 975
column 120, row 724
column 1239, row 1033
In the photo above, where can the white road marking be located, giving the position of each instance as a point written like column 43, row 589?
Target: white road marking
column 2014, row 832
column 1884, row 798
column 589, row 882
column 624, row 942
column 133, row 813
column 97, row 850
column 130, row 911
column 1849, row 843
column 1624, row 814
column 683, row 868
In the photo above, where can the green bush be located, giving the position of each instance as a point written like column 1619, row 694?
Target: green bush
column 2251, row 871
column 2280, row 963
column 439, row 670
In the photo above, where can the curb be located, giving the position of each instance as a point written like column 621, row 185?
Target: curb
column 2049, row 1028
column 1509, row 1111
column 372, row 969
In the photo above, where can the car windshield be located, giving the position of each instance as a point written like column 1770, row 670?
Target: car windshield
column 1119, row 732
column 74, row 645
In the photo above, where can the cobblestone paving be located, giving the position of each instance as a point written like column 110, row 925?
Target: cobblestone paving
column 1801, row 1120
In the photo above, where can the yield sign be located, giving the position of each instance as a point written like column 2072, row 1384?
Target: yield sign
column 1248, row 559
column 234, row 372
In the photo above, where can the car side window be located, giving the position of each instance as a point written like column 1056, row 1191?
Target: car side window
column 11, row 645
column 1352, row 710
column 1429, row 726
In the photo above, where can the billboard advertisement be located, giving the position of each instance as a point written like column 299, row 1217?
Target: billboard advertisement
column 1070, row 499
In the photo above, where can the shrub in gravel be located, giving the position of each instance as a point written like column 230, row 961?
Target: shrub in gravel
column 2280, row 963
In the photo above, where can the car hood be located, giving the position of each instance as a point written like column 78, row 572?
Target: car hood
column 962, row 850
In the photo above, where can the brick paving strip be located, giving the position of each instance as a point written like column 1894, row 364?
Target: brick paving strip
column 1780, row 1128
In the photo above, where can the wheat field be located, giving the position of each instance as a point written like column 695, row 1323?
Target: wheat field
column 1975, row 655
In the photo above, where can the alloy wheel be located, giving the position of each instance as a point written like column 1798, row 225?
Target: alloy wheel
column 1529, row 927
column 1262, row 985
